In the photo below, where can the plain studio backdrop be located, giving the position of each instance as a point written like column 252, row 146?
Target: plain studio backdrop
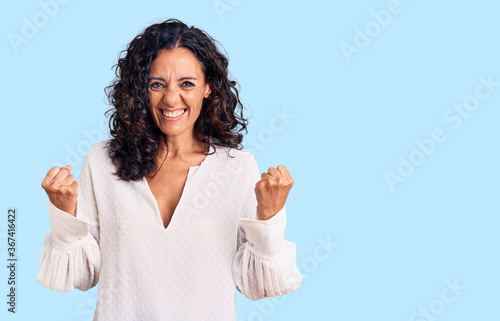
column 385, row 113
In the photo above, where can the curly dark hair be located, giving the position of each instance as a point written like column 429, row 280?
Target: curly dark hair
column 135, row 136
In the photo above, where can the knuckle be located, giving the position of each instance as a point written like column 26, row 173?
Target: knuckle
column 50, row 187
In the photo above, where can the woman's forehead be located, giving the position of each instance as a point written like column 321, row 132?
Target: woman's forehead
column 175, row 62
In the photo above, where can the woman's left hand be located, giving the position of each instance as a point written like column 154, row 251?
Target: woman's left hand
column 272, row 191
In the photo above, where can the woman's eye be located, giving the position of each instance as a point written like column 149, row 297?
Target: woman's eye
column 155, row 85
column 187, row 84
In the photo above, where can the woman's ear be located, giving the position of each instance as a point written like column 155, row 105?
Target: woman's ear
column 208, row 91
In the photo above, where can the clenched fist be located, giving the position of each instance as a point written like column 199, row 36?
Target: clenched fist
column 272, row 190
column 61, row 188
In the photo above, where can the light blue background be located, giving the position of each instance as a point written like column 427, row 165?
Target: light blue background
column 352, row 120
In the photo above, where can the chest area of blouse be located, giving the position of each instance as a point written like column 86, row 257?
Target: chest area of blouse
column 167, row 188
column 197, row 200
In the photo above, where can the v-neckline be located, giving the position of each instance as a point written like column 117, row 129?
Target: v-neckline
column 153, row 199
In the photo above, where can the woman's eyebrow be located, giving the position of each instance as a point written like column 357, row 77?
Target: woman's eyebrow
column 156, row 78
column 180, row 79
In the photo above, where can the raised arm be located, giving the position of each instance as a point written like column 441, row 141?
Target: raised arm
column 265, row 263
column 71, row 257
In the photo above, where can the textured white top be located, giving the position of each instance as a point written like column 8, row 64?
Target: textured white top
column 187, row 271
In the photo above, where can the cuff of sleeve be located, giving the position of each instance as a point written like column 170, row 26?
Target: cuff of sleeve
column 67, row 230
column 265, row 237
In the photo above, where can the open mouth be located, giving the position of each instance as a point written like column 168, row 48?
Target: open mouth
column 174, row 115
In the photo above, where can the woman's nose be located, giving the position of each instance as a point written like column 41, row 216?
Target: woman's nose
column 171, row 97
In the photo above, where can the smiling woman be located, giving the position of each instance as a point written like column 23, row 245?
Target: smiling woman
column 163, row 218
column 176, row 91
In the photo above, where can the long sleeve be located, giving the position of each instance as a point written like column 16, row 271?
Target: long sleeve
column 265, row 263
column 71, row 257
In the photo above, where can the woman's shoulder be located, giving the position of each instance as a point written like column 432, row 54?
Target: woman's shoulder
column 233, row 153
column 99, row 147
column 236, row 160
column 98, row 152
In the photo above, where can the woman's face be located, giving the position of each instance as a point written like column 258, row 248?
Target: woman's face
column 176, row 88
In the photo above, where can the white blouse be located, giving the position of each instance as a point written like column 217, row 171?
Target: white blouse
column 187, row 271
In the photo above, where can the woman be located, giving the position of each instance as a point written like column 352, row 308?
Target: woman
column 171, row 213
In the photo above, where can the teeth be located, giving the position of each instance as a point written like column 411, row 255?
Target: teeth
column 174, row 114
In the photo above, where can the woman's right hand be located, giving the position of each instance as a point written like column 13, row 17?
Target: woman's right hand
column 61, row 188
